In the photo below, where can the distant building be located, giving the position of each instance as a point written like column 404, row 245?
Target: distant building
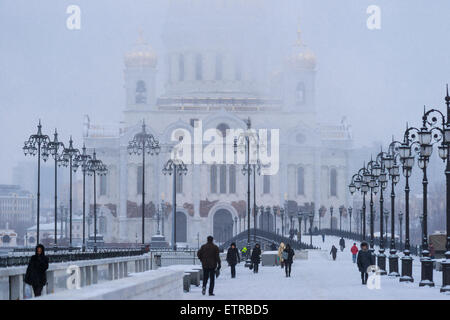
column 16, row 208
column 8, row 237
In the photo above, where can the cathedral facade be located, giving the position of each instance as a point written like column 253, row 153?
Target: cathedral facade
column 221, row 77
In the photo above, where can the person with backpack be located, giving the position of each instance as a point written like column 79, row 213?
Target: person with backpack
column 210, row 259
column 288, row 257
column 333, row 252
column 354, row 251
column 255, row 258
column 233, row 259
column 280, row 254
column 365, row 259
column 36, row 275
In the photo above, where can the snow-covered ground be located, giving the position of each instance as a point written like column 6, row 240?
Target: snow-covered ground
column 319, row 277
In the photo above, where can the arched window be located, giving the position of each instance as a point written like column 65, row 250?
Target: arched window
column 198, row 67
column 223, row 179
column 300, row 181
column 266, row 184
column 219, row 67
column 300, row 93
column 232, row 173
column 103, row 185
column 102, row 224
column 213, row 179
column 181, row 68
column 141, row 92
column 333, row 182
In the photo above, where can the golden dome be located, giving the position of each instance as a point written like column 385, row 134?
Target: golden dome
column 142, row 54
column 302, row 57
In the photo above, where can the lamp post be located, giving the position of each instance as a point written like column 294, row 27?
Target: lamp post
column 69, row 154
column 55, row 148
column 256, row 170
column 82, row 160
column 174, row 167
column 37, row 143
column 268, row 218
column 143, row 142
column 243, row 142
column 359, row 182
column 386, row 218
column 95, row 167
column 391, row 164
column 341, row 211
column 311, row 220
column 400, row 219
column 350, row 209
column 407, row 163
column 275, row 210
column 371, row 178
column 235, row 226
column 299, row 217
column 282, row 221
column 331, row 218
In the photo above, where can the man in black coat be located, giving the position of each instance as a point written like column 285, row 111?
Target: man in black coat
column 364, row 260
column 35, row 275
column 209, row 256
column 255, row 257
column 333, row 252
column 342, row 244
column 288, row 258
column 233, row 258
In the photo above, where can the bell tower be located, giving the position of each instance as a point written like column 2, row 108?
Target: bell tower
column 140, row 76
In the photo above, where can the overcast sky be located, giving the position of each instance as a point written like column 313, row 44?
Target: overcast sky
column 379, row 79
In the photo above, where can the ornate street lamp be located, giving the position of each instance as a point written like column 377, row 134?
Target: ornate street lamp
column 341, row 211
column 69, row 154
column 359, row 182
column 371, row 177
column 331, row 218
column 299, row 217
column 350, row 209
column 282, row 221
column 174, row 167
column 311, row 221
column 55, row 148
column 82, row 161
column 143, row 142
column 37, row 143
column 268, row 218
column 95, row 167
column 275, row 210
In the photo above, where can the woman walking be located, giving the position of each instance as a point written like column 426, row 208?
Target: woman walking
column 280, row 254
column 36, row 271
column 255, row 257
column 288, row 257
column 233, row 258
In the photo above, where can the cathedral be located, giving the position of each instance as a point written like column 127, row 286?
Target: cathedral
column 220, row 75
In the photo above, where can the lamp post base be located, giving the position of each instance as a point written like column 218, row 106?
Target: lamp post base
column 446, row 273
column 393, row 264
column 427, row 272
column 407, row 269
column 381, row 262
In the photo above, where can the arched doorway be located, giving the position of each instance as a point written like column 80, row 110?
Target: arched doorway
column 264, row 224
column 222, row 225
column 181, row 227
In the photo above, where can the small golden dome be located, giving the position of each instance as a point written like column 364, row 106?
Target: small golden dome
column 142, row 54
column 302, row 57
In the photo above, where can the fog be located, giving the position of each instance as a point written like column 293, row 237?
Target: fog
column 378, row 79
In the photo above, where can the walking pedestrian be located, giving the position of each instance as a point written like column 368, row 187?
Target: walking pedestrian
column 288, row 256
column 354, row 250
column 233, row 258
column 255, row 258
column 210, row 259
column 342, row 244
column 35, row 275
column 365, row 260
column 280, row 254
column 333, row 252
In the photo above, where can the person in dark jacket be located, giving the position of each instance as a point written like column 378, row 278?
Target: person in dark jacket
column 233, row 258
column 210, row 259
column 255, row 257
column 36, row 271
column 288, row 256
column 365, row 259
column 273, row 246
column 342, row 244
column 333, row 252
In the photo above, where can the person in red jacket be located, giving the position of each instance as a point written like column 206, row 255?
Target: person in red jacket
column 354, row 251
